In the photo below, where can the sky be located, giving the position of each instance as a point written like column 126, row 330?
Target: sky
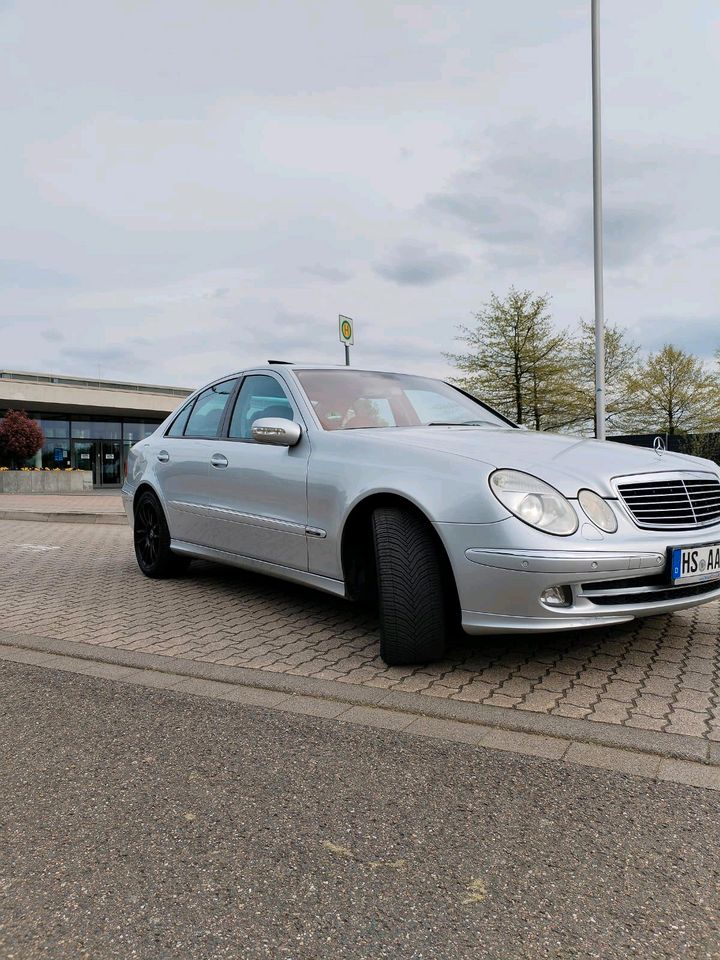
column 193, row 187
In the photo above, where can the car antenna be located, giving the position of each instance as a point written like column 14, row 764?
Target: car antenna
column 286, row 362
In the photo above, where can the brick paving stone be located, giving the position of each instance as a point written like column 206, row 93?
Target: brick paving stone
column 540, row 701
column 660, row 686
column 602, row 663
column 630, row 674
column 554, row 683
column 569, row 710
column 653, row 706
column 474, row 692
column 693, row 700
column 661, row 674
column 570, row 667
column 582, row 696
column 688, row 723
column 593, row 677
column 620, row 690
column 498, row 700
column 641, row 722
column 609, row 711
column 700, row 665
column 669, row 655
column 532, row 671
column 515, row 687
column 664, row 669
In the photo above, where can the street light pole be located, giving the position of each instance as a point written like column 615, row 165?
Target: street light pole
column 598, row 227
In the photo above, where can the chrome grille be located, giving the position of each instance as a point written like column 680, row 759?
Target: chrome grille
column 677, row 501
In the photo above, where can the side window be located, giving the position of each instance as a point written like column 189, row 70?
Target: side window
column 259, row 397
column 208, row 410
column 177, row 427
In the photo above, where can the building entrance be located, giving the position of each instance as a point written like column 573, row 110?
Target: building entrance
column 102, row 457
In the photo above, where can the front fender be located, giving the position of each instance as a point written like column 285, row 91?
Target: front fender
column 341, row 475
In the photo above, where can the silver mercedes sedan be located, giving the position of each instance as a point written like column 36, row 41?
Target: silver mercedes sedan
column 409, row 494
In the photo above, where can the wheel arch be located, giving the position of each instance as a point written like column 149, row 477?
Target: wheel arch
column 145, row 487
column 357, row 548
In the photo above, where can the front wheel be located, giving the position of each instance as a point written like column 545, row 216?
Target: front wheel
column 411, row 595
column 152, row 540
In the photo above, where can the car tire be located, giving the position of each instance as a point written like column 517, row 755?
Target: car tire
column 152, row 540
column 412, row 601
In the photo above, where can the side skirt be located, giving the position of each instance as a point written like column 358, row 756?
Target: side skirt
column 326, row 584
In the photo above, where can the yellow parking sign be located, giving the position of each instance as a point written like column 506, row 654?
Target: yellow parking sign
column 346, row 331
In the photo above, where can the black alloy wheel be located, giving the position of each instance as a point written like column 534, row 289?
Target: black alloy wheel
column 152, row 540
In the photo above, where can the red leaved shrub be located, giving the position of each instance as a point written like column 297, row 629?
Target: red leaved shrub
column 20, row 437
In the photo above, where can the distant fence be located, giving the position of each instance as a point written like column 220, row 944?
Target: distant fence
column 697, row 444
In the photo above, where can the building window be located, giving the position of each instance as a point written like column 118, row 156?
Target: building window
column 134, row 430
column 96, row 430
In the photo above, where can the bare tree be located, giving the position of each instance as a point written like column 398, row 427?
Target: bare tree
column 516, row 361
column 673, row 392
column 621, row 357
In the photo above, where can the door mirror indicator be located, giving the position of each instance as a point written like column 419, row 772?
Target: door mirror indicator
column 276, row 431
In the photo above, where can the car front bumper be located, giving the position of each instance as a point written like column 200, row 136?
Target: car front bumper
column 501, row 587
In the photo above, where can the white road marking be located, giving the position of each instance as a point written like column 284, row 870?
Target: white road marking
column 39, row 547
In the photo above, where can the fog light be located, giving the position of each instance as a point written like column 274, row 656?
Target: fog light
column 557, row 596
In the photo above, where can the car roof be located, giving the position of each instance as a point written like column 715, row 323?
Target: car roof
column 274, row 364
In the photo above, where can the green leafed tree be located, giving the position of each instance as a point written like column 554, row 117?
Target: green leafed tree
column 621, row 357
column 516, row 361
column 673, row 392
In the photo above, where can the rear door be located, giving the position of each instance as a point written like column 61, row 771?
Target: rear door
column 257, row 493
column 182, row 464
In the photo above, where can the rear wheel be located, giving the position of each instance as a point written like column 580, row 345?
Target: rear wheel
column 411, row 596
column 152, row 540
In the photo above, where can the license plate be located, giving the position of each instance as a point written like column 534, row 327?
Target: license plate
column 695, row 564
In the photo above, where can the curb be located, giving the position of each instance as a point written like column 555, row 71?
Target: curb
column 69, row 517
column 694, row 763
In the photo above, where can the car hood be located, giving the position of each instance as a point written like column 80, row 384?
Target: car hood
column 567, row 463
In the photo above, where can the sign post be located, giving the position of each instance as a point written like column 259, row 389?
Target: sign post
column 345, row 325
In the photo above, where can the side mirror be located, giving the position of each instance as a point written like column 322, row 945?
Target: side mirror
column 276, row 431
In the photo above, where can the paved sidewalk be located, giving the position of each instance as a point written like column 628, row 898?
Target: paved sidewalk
column 96, row 507
column 657, row 678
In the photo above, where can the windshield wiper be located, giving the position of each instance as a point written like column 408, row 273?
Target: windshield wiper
column 457, row 423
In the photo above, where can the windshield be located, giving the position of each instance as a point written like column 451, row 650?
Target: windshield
column 351, row 399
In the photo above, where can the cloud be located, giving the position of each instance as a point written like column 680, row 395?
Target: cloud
column 31, row 276
column 630, row 231
column 486, row 217
column 113, row 358
column 698, row 334
column 538, row 232
column 212, row 199
column 331, row 274
column 52, row 335
column 414, row 265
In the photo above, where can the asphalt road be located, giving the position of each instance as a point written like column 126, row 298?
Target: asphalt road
column 146, row 824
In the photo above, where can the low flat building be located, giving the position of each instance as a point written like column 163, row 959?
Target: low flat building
column 88, row 424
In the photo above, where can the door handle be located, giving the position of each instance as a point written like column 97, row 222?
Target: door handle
column 163, row 456
column 218, row 460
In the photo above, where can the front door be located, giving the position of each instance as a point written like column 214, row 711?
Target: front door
column 110, row 468
column 257, row 499
column 84, row 455
column 182, row 463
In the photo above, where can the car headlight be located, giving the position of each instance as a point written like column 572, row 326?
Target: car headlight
column 535, row 502
column 598, row 511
